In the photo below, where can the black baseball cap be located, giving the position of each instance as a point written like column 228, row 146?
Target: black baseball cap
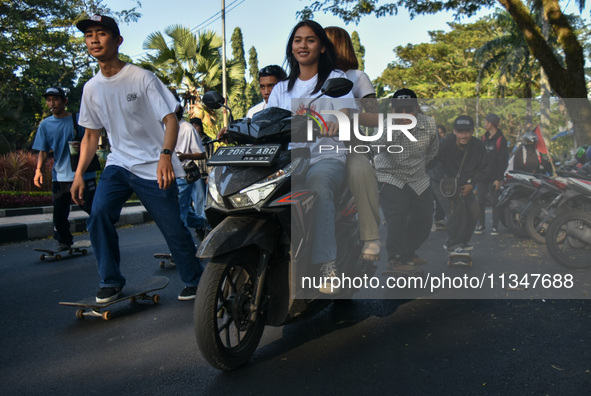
column 404, row 100
column 463, row 123
column 404, row 93
column 101, row 20
column 55, row 91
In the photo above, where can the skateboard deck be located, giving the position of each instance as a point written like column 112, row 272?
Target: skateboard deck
column 89, row 306
column 78, row 247
column 404, row 270
column 165, row 259
column 459, row 260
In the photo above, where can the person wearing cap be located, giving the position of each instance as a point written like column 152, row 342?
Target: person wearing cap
column 137, row 111
column 497, row 157
column 406, row 196
column 53, row 134
column 269, row 76
column 527, row 157
column 463, row 157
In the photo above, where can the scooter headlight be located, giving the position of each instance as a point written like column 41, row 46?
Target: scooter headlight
column 259, row 191
column 214, row 195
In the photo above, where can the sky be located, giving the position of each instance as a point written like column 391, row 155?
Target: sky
column 266, row 25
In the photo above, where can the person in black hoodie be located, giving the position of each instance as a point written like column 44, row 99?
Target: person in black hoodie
column 462, row 156
column 497, row 157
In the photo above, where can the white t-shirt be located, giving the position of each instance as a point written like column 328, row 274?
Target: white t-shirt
column 256, row 108
column 130, row 106
column 362, row 85
column 189, row 141
column 302, row 95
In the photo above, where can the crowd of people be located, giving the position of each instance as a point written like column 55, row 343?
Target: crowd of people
column 438, row 176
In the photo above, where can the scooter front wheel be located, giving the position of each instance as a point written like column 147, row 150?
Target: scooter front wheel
column 226, row 335
column 568, row 239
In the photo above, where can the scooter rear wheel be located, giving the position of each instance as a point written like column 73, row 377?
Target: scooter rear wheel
column 225, row 334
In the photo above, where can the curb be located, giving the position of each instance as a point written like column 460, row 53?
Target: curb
column 20, row 231
column 14, row 212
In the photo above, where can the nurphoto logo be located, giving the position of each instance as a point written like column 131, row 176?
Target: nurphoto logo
column 392, row 124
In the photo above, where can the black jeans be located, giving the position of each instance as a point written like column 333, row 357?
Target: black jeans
column 62, row 199
column 481, row 191
column 461, row 220
column 409, row 217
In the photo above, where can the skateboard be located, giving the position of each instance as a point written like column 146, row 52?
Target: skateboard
column 404, row 270
column 139, row 292
column 78, row 247
column 165, row 259
column 459, row 260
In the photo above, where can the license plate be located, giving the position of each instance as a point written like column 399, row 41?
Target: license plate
column 262, row 155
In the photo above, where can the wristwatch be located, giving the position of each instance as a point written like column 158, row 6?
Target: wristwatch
column 166, row 152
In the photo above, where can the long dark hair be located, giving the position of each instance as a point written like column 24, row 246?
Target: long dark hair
column 326, row 61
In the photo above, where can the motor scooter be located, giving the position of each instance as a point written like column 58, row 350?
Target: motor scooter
column 259, row 247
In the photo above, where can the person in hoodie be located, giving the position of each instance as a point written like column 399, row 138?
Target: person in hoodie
column 497, row 157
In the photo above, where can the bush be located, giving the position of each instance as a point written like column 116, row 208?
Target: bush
column 19, row 199
column 17, row 170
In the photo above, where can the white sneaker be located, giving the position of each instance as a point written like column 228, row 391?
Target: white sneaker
column 329, row 272
column 371, row 250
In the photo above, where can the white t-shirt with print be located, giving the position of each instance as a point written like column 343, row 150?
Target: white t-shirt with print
column 130, row 106
column 301, row 93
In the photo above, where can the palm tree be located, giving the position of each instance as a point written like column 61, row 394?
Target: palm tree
column 191, row 65
column 508, row 55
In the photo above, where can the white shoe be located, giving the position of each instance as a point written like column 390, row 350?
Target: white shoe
column 329, row 272
column 371, row 250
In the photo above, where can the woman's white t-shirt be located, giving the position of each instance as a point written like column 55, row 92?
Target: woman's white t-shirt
column 299, row 98
column 362, row 85
column 130, row 106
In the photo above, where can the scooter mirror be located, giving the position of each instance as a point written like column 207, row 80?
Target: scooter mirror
column 336, row 87
column 213, row 100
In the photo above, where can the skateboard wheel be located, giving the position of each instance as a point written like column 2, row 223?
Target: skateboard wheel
column 42, row 257
column 58, row 256
column 80, row 313
column 70, row 252
column 106, row 315
column 156, row 298
column 162, row 264
column 84, row 251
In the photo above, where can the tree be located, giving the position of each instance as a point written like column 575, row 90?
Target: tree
column 37, row 50
column 359, row 50
column 253, row 92
column 508, row 54
column 191, row 65
column 565, row 68
column 238, row 104
column 445, row 66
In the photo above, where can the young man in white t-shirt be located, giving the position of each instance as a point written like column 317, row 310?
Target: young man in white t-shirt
column 137, row 111
column 188, row 149
column 269, row 76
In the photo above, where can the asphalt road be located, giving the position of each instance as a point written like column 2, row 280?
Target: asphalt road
column 402, row 347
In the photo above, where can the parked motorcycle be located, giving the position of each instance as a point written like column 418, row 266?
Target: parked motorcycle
column 517, row 191
column 537, row 209
column 260, row 242
column 568, row 238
